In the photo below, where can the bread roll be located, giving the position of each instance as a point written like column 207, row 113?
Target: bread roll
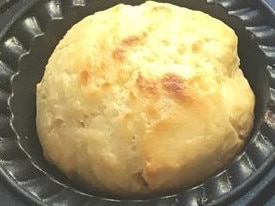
column 141, row 100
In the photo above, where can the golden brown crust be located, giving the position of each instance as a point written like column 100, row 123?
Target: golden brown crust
column 84, row 76
column 147, row 85
column 175, row 84
column 132, row 40
column 149, row 102
column 119, row 54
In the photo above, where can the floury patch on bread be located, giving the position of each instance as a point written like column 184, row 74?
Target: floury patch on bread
column 147, row 99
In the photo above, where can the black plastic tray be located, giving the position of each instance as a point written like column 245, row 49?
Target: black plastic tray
column 30, row 31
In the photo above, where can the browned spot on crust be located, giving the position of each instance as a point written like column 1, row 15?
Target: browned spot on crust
column 163, row 125
column 177, row 86
column 131, row 40
column 161, row 8
column 106, row 85
column 147, row 85
column 173, row 83
column 84, row 76
column 196, row 47
column 119, row 54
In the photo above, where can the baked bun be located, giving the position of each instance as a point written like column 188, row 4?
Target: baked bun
column 147, row 99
